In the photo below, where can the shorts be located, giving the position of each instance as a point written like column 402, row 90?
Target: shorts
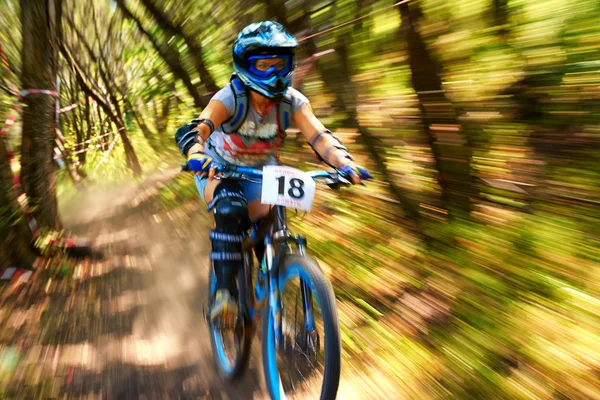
column 252, row 191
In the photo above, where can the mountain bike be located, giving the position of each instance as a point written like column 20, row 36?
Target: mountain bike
column 301, row 347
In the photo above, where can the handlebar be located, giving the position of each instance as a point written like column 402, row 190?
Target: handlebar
column 332, row 179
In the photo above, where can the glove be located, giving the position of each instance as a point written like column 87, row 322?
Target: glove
column 353, row 169
column 200, row 162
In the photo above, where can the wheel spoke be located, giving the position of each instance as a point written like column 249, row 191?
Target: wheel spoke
column 299, row 360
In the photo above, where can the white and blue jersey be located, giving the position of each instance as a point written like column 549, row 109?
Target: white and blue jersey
column 255, row 143
column 257, row 140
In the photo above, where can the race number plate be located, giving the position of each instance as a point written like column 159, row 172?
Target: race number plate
column 286, row 186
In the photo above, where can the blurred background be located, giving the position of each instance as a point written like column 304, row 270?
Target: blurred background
column 469, row 268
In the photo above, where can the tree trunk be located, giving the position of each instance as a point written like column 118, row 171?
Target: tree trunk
column 195, row 49
column 157, row 122
column 170, row 55
column 150, row 137
column 164, row 116
column 448, row 143
column 88, row 120
column 15, row 235
column 500, row 8
column 76, row 121
column 130, row 156
column 347, row 98
column 101, row 125
column 38, row 175
column 169, row 102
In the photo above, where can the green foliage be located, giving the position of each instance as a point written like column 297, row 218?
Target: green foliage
column 503, row 304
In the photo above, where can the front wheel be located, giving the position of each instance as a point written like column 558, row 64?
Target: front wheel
column 301, row 345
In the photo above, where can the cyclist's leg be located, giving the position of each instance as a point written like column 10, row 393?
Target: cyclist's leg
column 225, row 199
column 252, row 192
column 208, row 189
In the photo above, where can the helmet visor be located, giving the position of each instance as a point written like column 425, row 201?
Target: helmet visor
column 265, row 66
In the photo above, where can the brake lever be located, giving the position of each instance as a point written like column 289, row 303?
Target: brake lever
column 333, row 183
column 344, row 180
column 342, row 177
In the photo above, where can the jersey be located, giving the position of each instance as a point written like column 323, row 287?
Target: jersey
column 257, row 140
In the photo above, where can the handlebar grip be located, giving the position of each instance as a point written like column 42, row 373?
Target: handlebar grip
column 219, row 168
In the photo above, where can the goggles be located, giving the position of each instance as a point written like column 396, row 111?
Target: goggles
column 266, row 65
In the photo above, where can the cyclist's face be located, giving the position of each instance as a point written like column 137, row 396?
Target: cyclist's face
column 264, row 64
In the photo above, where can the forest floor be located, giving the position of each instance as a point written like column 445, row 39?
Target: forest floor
column 129, row 326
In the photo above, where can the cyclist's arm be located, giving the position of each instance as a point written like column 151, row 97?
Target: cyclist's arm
column 327, row 146
column 217, row 113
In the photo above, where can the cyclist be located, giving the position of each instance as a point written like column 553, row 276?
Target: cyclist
column 244, row 124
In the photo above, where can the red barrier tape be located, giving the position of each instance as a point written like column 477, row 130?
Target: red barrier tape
column 33, row 225
column 333, row 28
column 112, row 146
column 319, row 54
column 21, row 275
column 9, row 121
column 4, row 59
column 97, row 137
column 68, row 108
column 96, row 146
column 27, row 92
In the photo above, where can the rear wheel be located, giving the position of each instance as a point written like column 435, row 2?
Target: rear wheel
column 231, row 344
column 306, row 362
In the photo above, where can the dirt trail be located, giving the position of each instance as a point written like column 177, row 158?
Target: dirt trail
column 161, row 347
column 131, row 326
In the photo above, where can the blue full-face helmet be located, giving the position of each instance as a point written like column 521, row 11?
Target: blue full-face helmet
column 263, row 58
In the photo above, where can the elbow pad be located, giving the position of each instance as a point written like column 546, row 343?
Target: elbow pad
column 187, row 135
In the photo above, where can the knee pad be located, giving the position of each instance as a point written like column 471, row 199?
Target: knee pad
column 230, row 208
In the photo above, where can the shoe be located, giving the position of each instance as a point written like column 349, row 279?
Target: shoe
column 224, row 308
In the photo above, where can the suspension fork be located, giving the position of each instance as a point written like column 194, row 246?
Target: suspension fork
column 273, row 290
column 307, row 304
column 307, row 307
column 281, row 235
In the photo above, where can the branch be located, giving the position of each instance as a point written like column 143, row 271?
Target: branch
column 194, row 47
column 90, row 52
column 87, row 89
column 9, row 91
column 170, row 56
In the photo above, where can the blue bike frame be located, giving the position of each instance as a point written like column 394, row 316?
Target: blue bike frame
column 269, row 285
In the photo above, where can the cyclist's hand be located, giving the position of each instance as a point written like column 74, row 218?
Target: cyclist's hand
column 356, row 172
column 200, row 163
